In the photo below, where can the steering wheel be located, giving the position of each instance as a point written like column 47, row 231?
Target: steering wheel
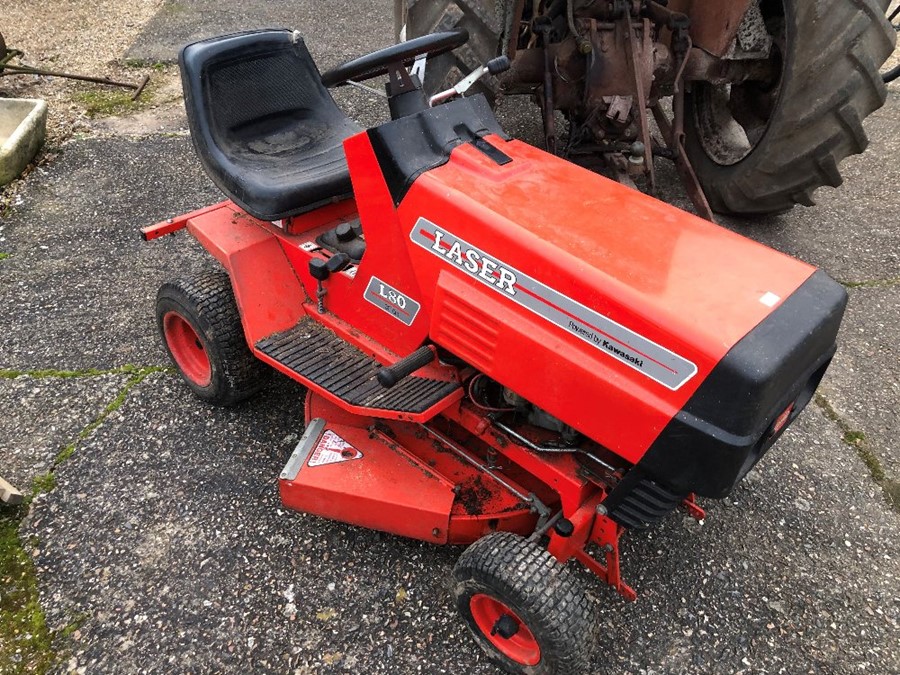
column 378, row 63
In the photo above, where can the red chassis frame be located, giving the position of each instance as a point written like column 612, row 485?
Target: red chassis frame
column 418, row 465
column 433, row 474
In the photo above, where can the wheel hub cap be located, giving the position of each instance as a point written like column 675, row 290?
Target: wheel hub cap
column 187, row 349
column 505, row 630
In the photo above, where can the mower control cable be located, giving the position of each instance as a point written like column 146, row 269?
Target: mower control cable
column 541, row 530
column 521, row 440
column 365, row 87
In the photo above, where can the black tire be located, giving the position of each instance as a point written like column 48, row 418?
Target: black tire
column 201, row 329
column 831, row 52
column 544, row 600
column 484, row 19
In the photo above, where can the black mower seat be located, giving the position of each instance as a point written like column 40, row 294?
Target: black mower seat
column 265, row 128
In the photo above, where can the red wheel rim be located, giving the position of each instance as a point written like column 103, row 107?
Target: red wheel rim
column 520, row 647
column 187, row 349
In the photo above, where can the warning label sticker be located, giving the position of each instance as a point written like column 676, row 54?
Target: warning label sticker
column 332, row 449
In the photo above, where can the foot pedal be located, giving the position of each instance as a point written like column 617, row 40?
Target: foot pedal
column 323, row 360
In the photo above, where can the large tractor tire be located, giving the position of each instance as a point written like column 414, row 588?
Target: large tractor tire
column 486, row 21
column 759, row 151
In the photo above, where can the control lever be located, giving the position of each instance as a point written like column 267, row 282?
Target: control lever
column 391, row 375
column 493, row 67
column 320, row 270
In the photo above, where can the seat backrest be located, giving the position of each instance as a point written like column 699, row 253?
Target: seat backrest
column 234, row 83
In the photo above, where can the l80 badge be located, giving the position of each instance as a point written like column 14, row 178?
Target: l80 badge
column 389, row 299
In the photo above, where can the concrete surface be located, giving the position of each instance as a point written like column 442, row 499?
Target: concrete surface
column 164, row 536
column 23, row 127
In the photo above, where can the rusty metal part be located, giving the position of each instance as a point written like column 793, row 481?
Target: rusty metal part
column 665, row 127
column 665, row 16
column 682, row 162
column 689, row 178
column 10, row 69
column 525, row 72
column 640, row 50
column 512, row 42
column 705, row 67
column 617, row 162
column 641, row 85
column 584, row 45
column 714, row 25
column 546, row 95
column 673, row 136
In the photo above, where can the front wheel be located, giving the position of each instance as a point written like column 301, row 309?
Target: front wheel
column 761, row 148
column 202, row 331
column 526, row 611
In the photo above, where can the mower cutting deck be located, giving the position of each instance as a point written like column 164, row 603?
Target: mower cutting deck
column 484, row 366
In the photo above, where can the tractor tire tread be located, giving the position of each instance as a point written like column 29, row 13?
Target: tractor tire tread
column 485, row 21
column 845, row 42
column 209, row 297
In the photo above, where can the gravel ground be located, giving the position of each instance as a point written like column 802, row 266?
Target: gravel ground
column 164, row 539
column 87, row 38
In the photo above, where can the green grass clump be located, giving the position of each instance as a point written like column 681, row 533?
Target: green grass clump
column 145, row 64
column 107, row 102
column 26, row 644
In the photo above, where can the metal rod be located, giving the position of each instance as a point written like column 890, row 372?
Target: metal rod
column 682, row 162
column 366, row 88
column 531, row 445
column 478, row 465
column 633, row 54
column 543, row 529
column 28, row 70
column 548, row 448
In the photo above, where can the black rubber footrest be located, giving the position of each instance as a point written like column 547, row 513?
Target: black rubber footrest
column 317, row 354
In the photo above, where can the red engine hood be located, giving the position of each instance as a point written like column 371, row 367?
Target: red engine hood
column 620, row 304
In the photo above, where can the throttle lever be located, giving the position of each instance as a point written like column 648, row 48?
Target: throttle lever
column 495, row 66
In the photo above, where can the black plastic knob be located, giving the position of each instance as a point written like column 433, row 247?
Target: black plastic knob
column 345, row 232
column 498, row 65
column 318, row 268
column 564, row 527
column 338, row 261
column 391, row 375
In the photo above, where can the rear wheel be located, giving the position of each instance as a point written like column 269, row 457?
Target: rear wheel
column 761, row 149
column 202, row 331
column 526, row 611
column 485, row 20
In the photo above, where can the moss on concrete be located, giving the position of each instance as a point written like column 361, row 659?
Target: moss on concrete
column 856, row 439
column 26, row 644
column 870, row 283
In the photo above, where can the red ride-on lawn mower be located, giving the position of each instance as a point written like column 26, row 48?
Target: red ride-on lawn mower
column 501, row 349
